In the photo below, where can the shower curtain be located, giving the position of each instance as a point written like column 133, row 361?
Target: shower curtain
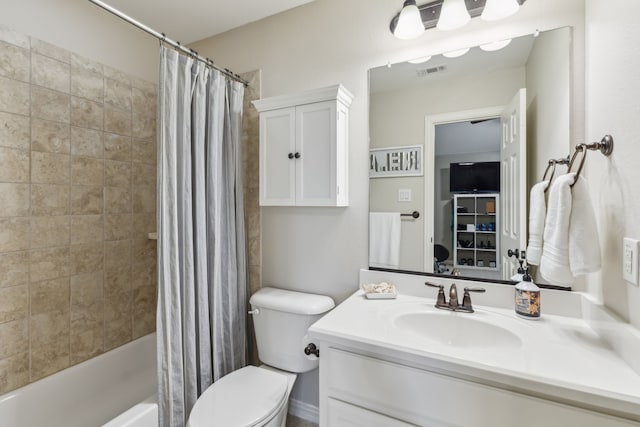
column 202, row 273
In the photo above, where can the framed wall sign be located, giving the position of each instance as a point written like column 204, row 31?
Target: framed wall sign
column 396, row 161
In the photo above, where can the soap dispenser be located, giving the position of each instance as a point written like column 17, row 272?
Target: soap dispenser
column 527, row 300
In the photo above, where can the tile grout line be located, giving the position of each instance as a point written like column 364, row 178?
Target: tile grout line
column 132, row 232
column 30, row 212
column 70, row 213
column 104, row 209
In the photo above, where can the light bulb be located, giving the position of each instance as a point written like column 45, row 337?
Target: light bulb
column 456, row 53
column 498, row 9
column 493, row 46
column 454, row 14
column 410, row 24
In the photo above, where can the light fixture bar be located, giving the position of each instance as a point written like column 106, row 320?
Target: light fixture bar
column 430, row 12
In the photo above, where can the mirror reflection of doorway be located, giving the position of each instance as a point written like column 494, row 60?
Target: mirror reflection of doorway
column 510, row 203
column 464, row 142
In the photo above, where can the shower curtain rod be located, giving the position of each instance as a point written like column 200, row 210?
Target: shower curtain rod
column 165, row 39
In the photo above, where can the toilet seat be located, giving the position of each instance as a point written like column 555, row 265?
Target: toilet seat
column 246, row 397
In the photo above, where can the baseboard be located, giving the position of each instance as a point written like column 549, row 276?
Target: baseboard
column 304, row 410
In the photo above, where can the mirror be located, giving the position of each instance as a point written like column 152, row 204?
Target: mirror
column 461, row 141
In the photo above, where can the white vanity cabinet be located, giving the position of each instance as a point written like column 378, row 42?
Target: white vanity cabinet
column 304, row 144
column 360, row 388
column 402, row 361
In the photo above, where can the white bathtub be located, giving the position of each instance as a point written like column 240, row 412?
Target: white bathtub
column 91, row 393
column 143, row 414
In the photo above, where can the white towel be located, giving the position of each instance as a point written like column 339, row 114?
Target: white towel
column 584, row 240
column 554, row 263
column 384, row 239
column 571, row 242
column 537, row 216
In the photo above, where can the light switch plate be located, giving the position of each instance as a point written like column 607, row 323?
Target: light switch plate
column 404, row 195
column 630, row 249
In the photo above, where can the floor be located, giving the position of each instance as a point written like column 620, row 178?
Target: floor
column 299, row 422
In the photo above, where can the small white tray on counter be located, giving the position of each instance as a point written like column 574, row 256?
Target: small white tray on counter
column 382, row 290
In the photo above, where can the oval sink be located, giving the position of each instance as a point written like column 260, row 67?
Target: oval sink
column 456, row 329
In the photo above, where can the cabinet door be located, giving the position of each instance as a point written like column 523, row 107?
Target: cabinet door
column 316, row 145
column 277, row 169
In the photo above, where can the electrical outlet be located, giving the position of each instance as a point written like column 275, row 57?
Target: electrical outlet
column 404, row 195
column 630, row 249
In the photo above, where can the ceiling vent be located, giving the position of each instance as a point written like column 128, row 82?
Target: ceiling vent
column 424, row 72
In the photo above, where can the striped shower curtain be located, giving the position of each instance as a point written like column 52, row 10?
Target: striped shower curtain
column 202, row 274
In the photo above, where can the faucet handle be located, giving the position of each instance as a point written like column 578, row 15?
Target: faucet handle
column 466, row 298
column 441, row 301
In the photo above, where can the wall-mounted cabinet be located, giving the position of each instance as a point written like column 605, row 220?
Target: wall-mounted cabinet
column 304, row 148
column 475, row 231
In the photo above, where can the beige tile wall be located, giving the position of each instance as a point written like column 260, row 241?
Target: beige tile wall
column 253, row 219
column 77, row 199
column 250, row 158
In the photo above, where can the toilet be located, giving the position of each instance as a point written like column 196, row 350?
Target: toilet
column 259, row 396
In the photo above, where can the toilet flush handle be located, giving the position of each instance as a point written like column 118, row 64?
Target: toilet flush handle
column 312, row 349
column 254, row 311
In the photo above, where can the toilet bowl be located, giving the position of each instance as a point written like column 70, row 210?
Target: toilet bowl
column 258, row 396
column 251, row 396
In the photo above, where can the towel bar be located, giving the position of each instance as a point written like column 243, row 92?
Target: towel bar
column 552, row 165
column 414, row 214
column 605, row 146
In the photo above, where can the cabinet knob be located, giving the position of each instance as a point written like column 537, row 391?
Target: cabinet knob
column 290, row 155
column 297, row 155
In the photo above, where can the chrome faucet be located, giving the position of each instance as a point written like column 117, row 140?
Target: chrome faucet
column 453, row 304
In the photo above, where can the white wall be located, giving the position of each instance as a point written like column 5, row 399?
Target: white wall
column 548, row 101
column 85, row 29
column 613, row 87
column 331, row 41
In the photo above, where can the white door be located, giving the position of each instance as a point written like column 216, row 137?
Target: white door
column 316, row 154
column 277, row 161
column 513, row 180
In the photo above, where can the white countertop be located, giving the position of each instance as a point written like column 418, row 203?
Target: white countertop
column 560, row 358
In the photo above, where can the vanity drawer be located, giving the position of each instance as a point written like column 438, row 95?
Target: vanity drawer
column 346, row 415
column 429, row 399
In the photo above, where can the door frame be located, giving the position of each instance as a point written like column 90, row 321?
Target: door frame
column 430, row 123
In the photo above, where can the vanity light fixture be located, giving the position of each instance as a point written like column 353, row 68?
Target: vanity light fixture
column 499, row 9
column 493, row 46
column 409, row 24
column 420, row 60
column 453, row 15
column 456, row 53
column 413, row 20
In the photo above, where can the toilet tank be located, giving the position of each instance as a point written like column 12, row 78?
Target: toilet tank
column 281, row 323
